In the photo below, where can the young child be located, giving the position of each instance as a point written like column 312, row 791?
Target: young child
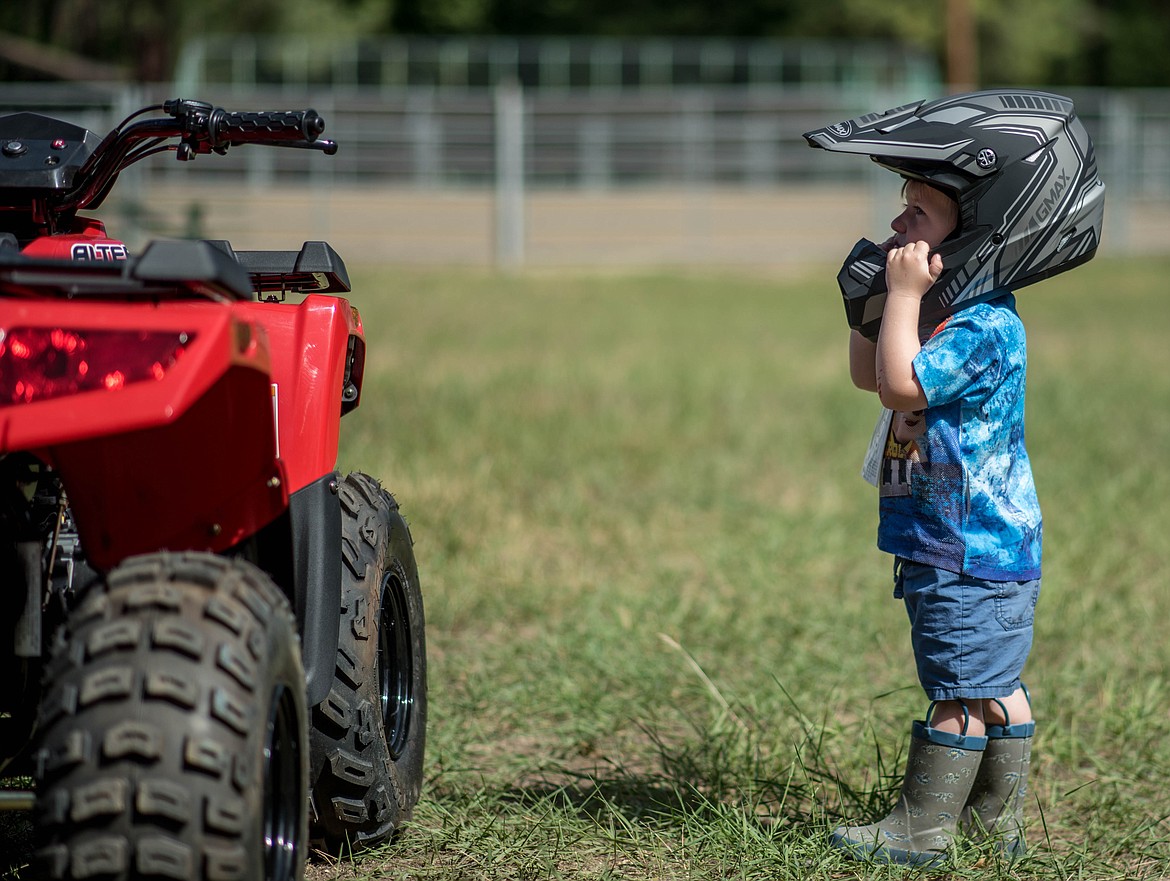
column 1001, row 191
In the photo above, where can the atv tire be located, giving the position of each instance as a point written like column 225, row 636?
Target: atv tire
column 368, row 736
column 174, row 726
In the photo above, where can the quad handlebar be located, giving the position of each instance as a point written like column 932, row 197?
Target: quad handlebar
column 213, row 128
column 200, row 128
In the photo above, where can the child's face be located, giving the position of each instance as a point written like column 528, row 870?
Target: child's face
column 929, row 216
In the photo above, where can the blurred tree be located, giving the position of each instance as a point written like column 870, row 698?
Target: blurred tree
column 430, row 18
column 1022, row 42
column 1035, row 42
column 1131, row 43
column 146, row 38
column 962, row 46
column 143, row 37
column 612, row 18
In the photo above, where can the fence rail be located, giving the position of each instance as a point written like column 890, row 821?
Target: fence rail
column 513, row 147
column 548, row 63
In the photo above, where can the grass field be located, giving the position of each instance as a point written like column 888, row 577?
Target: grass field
column 662, row 643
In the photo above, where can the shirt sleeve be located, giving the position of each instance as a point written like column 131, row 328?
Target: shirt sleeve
column 963, row 359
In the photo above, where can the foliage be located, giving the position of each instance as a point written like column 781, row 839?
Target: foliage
column 148, row 37
column 1134, row 37
column 1021, row 42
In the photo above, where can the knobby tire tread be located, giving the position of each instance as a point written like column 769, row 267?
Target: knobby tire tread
column 363, row 795
column 153, row 723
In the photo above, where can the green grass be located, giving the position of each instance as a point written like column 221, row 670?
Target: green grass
column 662, row 643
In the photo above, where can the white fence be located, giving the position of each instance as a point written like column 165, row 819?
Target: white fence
column 689, row 175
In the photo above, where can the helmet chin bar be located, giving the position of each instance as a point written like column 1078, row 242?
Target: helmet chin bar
column 862, row 280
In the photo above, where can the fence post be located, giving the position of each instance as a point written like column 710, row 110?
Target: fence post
column 424, row 129
column 596, row 150
column 509, row 231
column 1121, row 164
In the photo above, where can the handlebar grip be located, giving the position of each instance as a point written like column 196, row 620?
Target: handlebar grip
column 265, row 125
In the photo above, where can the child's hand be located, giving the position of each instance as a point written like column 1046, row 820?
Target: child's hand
column 911, row 270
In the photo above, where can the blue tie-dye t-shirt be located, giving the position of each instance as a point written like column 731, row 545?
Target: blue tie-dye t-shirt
column 956, row 485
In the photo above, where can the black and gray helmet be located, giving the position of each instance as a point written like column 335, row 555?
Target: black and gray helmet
column 1021, row 167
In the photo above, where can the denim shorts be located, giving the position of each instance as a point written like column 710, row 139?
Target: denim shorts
column 971, row 637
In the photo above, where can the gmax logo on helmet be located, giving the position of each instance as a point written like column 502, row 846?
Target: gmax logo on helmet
column 1053, row 197
column 841, row 129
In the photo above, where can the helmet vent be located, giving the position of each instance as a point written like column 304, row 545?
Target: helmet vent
column 1036, row 102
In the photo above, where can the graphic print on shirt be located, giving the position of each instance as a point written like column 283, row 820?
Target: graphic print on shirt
column 902, row 453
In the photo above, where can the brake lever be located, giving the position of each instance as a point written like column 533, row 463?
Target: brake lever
column 325, row 146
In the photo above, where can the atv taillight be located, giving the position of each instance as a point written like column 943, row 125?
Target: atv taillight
column 40, row 363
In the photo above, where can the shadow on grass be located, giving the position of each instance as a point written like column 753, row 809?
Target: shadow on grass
column 714, row 777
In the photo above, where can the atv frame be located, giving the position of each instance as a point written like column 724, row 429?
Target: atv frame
column 212, row 642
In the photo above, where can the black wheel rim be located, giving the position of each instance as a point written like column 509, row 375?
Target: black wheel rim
column 395, row 665
column 283, row 798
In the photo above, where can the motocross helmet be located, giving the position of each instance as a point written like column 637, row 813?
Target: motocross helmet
column 1021, row 167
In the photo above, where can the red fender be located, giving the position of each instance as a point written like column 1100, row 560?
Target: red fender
column 309, row 344
column 181, row 457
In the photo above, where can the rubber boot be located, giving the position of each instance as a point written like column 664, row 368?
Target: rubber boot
column 995, row 808
column 940, row 771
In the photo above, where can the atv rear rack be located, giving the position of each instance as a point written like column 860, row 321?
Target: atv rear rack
column 315, row 269
column 184, row 268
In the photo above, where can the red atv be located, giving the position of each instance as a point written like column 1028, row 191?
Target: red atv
column 211, row 643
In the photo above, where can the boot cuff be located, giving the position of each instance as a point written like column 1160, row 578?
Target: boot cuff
column 1002, row 732
column 945, row 738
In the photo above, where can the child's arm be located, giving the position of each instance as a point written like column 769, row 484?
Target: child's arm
column 910, row 271
column 862, row 362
